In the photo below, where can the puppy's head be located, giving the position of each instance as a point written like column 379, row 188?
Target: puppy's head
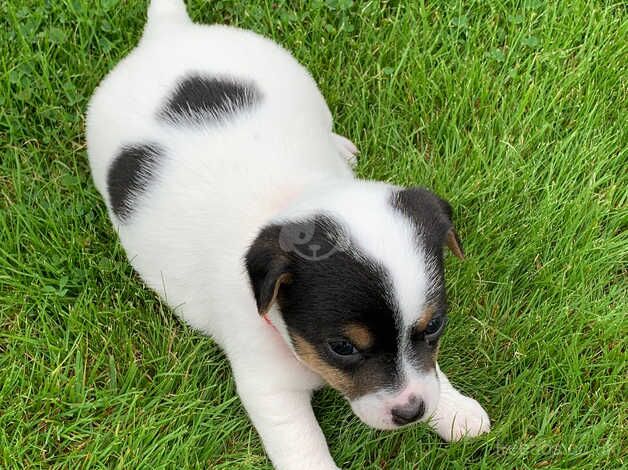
column 354, row 282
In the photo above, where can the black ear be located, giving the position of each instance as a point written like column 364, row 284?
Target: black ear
column 432, row 216
column 268, row 267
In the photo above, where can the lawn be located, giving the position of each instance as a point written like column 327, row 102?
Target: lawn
column 516, row 112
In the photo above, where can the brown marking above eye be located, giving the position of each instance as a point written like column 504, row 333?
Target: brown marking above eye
column 359, row 335
column 426, row 316
column 335, row 377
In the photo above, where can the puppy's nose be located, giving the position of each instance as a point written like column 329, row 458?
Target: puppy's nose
column 409, row 412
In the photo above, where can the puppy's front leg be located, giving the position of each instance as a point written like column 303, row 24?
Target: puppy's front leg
column 286, row 423
column 457, row 415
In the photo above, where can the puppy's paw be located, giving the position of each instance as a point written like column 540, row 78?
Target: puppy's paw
column 347, row 149
column 458, row 416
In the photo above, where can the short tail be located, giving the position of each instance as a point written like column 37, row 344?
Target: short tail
column 165, row 14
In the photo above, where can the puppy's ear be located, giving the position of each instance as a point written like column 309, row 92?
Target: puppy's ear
column 268, row 268
column 451, row 236
column 454, row 244
column 432, row 217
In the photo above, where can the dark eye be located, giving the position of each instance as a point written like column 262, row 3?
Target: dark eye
column 434, row 328
column 343, row 347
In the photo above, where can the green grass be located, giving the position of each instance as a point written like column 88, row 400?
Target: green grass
column 514, row 111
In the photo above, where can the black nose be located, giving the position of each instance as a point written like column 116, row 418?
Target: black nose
column 409, row 412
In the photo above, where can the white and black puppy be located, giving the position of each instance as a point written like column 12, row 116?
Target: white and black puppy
column 235, row 201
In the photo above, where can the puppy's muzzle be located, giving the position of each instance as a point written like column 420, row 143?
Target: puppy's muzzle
column 408, row 413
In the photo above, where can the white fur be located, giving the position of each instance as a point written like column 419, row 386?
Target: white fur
column 219, row 185
column 457, row 415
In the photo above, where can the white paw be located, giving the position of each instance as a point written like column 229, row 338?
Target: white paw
column 347, row 149
column 458, row 416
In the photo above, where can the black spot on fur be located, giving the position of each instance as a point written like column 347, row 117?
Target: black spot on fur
column 129, row 175
column 199, row 99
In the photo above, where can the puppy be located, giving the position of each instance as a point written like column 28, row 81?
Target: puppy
column 235, row 202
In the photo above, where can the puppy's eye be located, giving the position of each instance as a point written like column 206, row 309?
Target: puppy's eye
column 434, row 328
column 343, row 347
column 434, row 325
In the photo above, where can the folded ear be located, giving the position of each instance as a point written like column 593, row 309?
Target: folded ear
column 267, row 266
column 432, row 217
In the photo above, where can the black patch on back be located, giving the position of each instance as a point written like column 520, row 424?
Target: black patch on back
column 332, row 285
column 198, row 100
column 129, row 174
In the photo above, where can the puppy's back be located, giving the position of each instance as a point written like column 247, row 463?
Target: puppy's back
column 195, row 140
column 129, row 102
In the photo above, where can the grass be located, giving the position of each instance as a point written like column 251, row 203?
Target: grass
column 515, row 111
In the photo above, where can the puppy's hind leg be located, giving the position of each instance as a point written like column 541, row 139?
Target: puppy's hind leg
column 347, row 149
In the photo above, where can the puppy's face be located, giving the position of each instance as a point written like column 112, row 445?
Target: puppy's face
column 358, row 293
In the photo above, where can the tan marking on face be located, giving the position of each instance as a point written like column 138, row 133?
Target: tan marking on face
column 333, row 376
column 360, row 336
column 426, row 316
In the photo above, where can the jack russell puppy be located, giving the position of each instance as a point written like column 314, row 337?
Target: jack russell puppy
column 235, row 201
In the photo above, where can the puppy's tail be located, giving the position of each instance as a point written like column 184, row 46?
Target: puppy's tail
column 165, row 15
